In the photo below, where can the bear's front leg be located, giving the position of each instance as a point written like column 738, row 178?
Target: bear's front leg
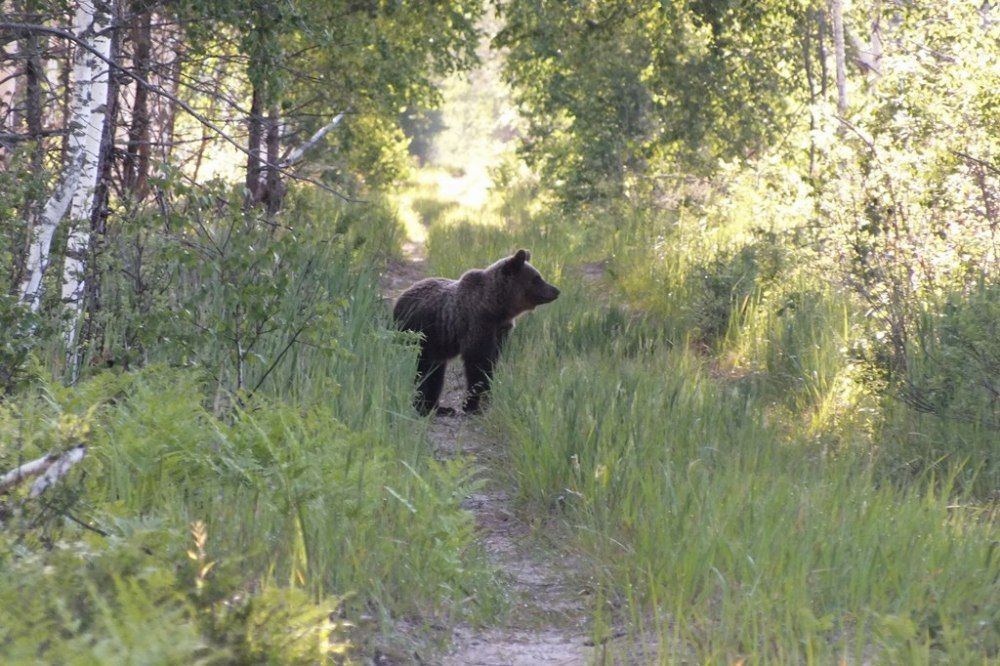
column 430, row 381
column 479, row 362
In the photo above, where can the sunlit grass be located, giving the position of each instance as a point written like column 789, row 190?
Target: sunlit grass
column 718, row 461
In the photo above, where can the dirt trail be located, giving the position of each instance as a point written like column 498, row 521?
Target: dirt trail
column 547, row 619
column 547, row 622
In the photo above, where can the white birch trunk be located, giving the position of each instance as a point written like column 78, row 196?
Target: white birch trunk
column 837, row 15
column 75, row 190
column 869, row 54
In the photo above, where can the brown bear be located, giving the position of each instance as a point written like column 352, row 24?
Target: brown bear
column 470, row 317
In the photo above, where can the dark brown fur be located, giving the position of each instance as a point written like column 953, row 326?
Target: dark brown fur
column 469, row 317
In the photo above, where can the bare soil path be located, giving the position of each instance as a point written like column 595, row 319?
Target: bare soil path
column 547, row 622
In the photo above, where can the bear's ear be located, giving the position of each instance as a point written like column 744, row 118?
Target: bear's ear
column 515, row 262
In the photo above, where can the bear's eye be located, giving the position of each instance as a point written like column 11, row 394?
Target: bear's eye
column 537, row 279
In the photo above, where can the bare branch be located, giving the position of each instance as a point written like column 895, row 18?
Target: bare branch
column 975, row 160
column 11, row 137
column 297, row 154
column 868, row 141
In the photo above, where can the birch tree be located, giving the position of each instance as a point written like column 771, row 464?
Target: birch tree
column 837, row 14
column 74, row 191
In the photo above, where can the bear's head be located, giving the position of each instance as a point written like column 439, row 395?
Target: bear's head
column 523, row 284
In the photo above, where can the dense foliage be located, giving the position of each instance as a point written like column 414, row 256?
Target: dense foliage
column 720, row 128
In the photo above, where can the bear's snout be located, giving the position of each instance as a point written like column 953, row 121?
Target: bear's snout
column 549, row 294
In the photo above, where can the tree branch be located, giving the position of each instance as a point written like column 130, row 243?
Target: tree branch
column 13, row 137
column 975, row 160
column 297, row 154
column 868, row 141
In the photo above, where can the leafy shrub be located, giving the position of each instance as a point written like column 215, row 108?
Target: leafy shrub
column 953, row 368
column 227, row 292
column 948, row 389
column 722, row 287
column 19, row 336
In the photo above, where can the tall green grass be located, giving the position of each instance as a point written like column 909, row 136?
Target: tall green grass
column 716, row 452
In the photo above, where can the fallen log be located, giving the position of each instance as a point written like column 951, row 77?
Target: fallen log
column 49, row 469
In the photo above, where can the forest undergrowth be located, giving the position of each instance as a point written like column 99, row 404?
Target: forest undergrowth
column 761, row 424
column 256, row 487
column 720, row 456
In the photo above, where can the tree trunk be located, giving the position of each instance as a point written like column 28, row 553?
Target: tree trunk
column 274, row 188
column 90, row 193
column 811, row 89
column 34, row 75
column 217, row 75
column 166, row 114
column 75, row 190
column 821, row 51
column 255, row 130
column 91, row 294
column 837, row 12
column 136, row 166
column 50, row 468
column 8, row 98
column 66, row 103
column 869, row 54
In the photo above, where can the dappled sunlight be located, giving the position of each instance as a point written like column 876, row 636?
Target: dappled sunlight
column 480, row 127
column 470, row 189
column 475, row 131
